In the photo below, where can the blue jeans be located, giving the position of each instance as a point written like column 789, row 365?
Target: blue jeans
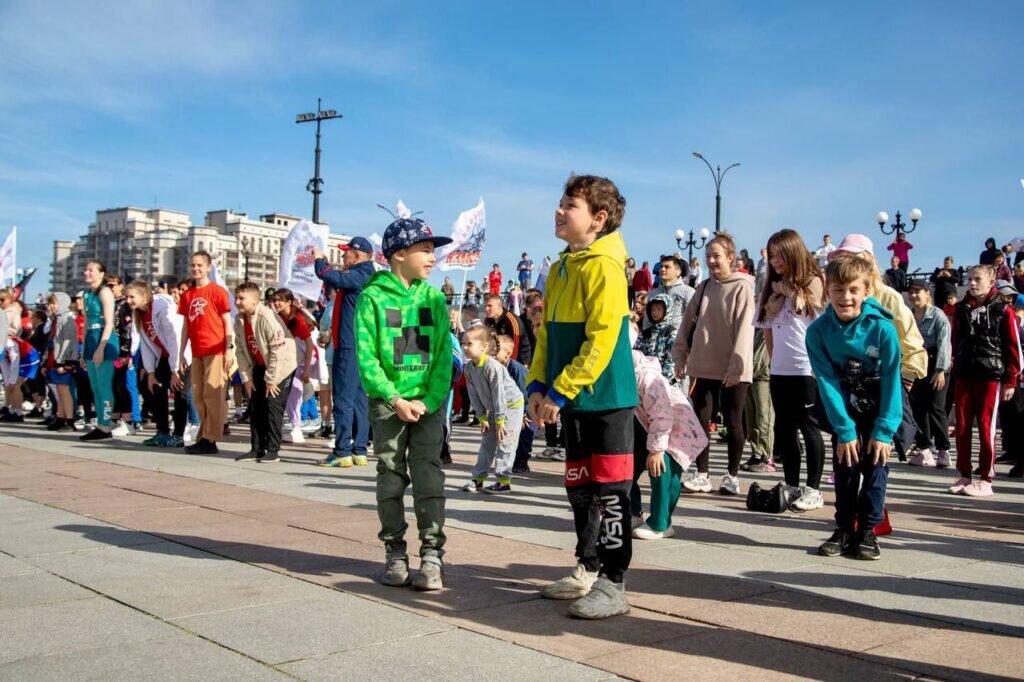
column 132, row 379
column 351, row 408
column 860, row 491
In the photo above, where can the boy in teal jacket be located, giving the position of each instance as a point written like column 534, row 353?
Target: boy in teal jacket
column 855, row 354
column 405, row 365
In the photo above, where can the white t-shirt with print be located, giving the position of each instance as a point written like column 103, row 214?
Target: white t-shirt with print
column 789, row 348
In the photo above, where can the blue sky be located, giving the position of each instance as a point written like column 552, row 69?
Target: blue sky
column 836, row 112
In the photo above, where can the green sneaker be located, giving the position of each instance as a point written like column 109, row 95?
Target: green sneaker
column 360, row 460
column 157, row 441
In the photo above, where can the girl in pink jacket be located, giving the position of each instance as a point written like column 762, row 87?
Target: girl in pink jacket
column 673, row 436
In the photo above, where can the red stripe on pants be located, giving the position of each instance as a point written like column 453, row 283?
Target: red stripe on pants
column 611, row 468
column 976, row 399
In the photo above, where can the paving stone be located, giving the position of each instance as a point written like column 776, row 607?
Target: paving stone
column 73, row 626
column 452, row 655
column 728, row 655
column 181, row 658
column 330, row 622
column 181, row 593
column 545, row 625
column 950, row 653
column 10, row 566
column 107, row 562
column 38, row 588
column 990, row 576
column 47, row 537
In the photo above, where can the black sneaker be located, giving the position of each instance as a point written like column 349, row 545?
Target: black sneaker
column 521, row 469
column 751, row 463
column 1005, row 458
column 250, row 456
column 96, row 434
column 269, row 457
column 35, row 413
column 1017, row 471
column 210, row 448
column 198, row 448
column 55, row 424
column 12, row 417
column 67, row 425
column 867, row 547
column 838, row 544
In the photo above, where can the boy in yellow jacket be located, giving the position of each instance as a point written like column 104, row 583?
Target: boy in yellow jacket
column 583, row 369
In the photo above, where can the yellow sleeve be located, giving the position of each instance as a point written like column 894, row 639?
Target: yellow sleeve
column 914, row 364
column 607, row 306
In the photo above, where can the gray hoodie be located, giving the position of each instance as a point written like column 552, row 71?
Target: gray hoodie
column 492, row 390
column 64, row 332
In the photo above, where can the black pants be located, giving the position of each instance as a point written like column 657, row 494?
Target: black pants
column 158, row 401
column 598, row 476
column 794, row 399
column 524, row 447
column 1011, row 422
column 267, row 412
column 83, row 394
column 122, row 397
column 929, row 408
column 733, row 400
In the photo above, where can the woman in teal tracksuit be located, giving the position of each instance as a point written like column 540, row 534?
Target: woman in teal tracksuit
column 101, row 344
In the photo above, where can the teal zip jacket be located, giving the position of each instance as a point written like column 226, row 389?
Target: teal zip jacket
column 403, row 340
column 583, row 360
column 872, row 339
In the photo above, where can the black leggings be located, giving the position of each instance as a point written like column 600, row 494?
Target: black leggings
column 733, row 400
column 158, row 401
column 794, row 399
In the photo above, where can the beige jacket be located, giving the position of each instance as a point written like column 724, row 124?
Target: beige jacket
column 723, row 341
column 274, row 341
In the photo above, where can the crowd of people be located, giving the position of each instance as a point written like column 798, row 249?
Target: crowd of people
column 632, row 372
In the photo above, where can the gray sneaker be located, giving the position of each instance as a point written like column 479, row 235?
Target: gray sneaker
column 396, row 574
column 430, row 576
column 605, row 599
column 572, row 586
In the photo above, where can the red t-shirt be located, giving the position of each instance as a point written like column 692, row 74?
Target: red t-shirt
column 300, row 330
column 494, row 279
column 202, row 308
column 150, row 331
column 250, row 343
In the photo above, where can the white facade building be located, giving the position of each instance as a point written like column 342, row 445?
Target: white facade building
column 155, row 243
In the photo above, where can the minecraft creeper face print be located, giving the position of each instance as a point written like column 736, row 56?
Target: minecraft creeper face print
column 414, row 339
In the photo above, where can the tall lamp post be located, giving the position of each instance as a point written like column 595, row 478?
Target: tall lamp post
column 246, row 243
column 717, row 175
column 899, row 226
column 691, row 243
column 314, row 183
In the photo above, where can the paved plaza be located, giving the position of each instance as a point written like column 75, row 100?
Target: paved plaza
column 121, row 562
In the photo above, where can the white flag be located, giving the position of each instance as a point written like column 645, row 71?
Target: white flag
column 469, row 234
column 296, row 268
column 8, row 253
column 402, row 211
column 215, row 279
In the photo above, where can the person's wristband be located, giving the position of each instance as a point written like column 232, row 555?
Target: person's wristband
column 393, row 401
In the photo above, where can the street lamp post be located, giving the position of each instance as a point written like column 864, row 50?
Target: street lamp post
column 245, row 250
column 314, row 183
column 717, row 175
column 899, row 226
column 691, row 243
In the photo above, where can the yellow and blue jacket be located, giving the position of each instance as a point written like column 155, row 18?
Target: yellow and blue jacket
column 583, row 359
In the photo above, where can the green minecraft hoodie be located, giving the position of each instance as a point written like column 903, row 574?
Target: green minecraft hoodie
column 403, row 341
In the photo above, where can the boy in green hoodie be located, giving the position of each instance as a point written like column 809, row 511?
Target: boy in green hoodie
column 583, row 369
column 405, row 365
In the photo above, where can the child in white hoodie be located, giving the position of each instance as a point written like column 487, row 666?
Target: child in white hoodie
column 674, row 434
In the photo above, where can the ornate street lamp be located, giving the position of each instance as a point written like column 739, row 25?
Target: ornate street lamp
column 691, row 243
column 899, row 226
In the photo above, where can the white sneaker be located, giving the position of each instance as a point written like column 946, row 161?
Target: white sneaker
column 697, row 483
column 636, row 522
column 645, row 532
column 924, row 458
column 120, row 430
column 810, row 499
column 573, row 586
column 311, row 425
column 294, row 436
column 942, row 459
column 730, row 485
column 191, row 431
column 558, row 455
column 605, row 599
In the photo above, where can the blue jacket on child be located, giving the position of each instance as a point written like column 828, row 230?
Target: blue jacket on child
column 871, row 338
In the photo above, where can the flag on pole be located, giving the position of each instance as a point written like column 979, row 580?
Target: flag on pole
column 542, row 276
column 378, row 250
column 296, row 267
column 469, row 233
column 20, row 287
column 8, row 254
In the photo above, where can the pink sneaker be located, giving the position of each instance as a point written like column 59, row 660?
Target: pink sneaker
column 924, row 458
column 942, row 459
column 832, row 478
column 958, row 487
column 979, row 489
